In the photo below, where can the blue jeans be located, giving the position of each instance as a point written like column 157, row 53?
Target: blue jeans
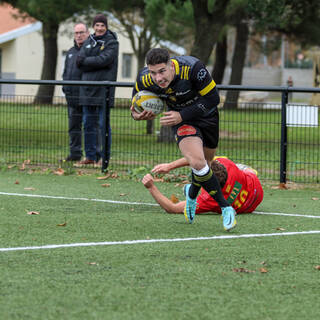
column 93, row 126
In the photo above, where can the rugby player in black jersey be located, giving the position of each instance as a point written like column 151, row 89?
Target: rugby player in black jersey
column 190, row 93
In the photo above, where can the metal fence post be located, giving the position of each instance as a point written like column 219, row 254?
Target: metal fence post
column 105, row 134
column 284, row 140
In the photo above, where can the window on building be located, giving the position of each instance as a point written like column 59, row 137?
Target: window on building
column 126, row 65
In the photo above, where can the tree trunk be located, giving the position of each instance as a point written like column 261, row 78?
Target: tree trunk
column 221, row 60
column 166, row 134
column 45, row 92
column 208, row 26
column 144, row 45
column 238, row 60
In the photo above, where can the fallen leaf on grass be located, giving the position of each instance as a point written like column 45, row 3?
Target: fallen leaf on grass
column 17, row 182
column 62, row 224
column 23, row 166
column 281, row 229
column 33, row 212
column 104, row 177
column 281, row 186
column 242, row 270
column 174, row 199
column 315, row 199
column 179, row 185
column 122, row 194
column 59, row 172
column 92, row 263
column 263, row 270
column 317, row 267
column 29, row 188
column 106, row 185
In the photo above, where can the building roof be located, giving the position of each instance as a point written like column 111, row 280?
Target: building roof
column 12, row 27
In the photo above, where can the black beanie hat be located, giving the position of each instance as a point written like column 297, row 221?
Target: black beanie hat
column 100, row 18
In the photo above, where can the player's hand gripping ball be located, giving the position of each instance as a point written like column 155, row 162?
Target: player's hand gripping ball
column 146, row 100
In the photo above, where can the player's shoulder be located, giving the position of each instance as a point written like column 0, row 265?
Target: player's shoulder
column 184, row 66
column 144, row 80
column 223, row 159
column 185, row 60
column 229, row 164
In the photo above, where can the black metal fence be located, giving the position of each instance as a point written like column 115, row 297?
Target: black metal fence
column 279, row 139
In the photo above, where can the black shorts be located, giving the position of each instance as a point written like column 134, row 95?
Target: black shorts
column 207, row 129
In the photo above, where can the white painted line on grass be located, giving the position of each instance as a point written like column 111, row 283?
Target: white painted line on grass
column 70, row 198
column 286, row 214
column 137, row 203
column 130, row 242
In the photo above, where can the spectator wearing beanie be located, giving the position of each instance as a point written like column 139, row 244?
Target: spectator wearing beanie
column 100, row 18
column 98, row 59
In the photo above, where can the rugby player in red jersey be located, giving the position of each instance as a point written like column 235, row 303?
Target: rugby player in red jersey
column 239, row 183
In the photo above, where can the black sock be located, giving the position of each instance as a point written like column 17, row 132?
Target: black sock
column 210, row 183
column 194, row 189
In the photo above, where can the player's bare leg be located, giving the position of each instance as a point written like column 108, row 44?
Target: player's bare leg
column 209, row 154
column 202, row 176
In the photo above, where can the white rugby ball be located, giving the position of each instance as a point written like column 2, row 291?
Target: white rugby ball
column 146, row 100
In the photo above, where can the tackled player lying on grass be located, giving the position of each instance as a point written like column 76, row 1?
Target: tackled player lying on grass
column 239, row 183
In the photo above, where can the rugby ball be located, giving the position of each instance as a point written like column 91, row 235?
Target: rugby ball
column 146, row 100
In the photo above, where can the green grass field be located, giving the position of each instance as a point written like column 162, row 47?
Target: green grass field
column 81, row 258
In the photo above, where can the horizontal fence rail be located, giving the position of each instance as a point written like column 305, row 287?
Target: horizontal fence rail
column 279, row 139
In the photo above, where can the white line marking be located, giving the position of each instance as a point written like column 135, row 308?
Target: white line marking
column 69, row 198
column 129, row 242
column 138, row 203
column 286, row 214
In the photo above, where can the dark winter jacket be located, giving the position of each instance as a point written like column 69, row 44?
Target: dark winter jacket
column 98, row 59
column 72, row 72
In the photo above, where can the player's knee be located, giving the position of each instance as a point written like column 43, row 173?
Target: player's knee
column 197, row 163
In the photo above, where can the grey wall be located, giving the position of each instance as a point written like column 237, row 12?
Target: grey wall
column 275, row 77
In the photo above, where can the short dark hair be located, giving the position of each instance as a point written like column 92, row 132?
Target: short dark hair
column 220, row 172
column 157, row 56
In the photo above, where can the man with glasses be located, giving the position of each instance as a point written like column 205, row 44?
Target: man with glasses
column 72, row 72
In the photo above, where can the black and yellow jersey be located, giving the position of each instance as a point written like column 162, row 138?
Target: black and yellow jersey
column 192, row 92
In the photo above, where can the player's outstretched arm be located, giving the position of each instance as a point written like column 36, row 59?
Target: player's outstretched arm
column 167, row 167
column 163, row 201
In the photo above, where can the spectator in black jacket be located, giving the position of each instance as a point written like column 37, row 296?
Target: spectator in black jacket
column 72, row 72
column 98, row 59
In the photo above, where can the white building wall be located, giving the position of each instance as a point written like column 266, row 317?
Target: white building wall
column 29, row 57
column 22, row 58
